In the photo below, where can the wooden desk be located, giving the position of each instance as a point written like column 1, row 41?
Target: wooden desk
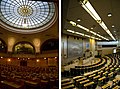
column 65, row 80
column 116, row 87
column 105, row 73
column 87, row 84
column 107, row 68
column 31, row 82
column 87, row 74
column 105, row 86
column 3, row 76
column 117, row 69
column 111, row 69
column 118, row 77
column 18, row 77
column 84, row 81
column 11, row 84
column 92, row 75
column 80, row 79
column 102, row 78
column 100, row 72
column 96, row 77
column 68, row 87
column 110, row 74
column 77, row 77
column 68, row 83
column 115, row 80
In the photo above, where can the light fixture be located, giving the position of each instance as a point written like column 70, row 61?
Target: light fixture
column 113, row 26
column 9, row 60
column 45, row 58
column 79, row 33
column 82, row 34
column 37, row 60
column 92, row 37
column 109, row 14
column 102, row 24
column 78, row 20
column 87, row 35
column 73, row 23
column 83, row 28
column 110, row 34
column 91, row 28
column 88, row 7
column 93, row 32
column 86, row 29
column 55, row 57
column 70, row 31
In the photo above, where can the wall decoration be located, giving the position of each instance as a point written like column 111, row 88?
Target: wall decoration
column 75, row 47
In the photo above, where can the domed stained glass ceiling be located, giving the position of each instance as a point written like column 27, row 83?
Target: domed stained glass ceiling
column 24, row 16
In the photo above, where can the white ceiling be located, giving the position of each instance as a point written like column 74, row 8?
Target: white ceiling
column 74, row 11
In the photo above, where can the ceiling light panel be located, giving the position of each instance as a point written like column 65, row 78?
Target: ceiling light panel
column 86, row 29
column 88, row 7
column 109, row 14
column 82, row 34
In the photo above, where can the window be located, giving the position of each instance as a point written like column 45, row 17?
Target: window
column 26, row 14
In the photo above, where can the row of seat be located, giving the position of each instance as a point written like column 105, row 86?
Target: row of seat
column 80, row 70
column 67, row 84
column 26, row 76
column 101, row 76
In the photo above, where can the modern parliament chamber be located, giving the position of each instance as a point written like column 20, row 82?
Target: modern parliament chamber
column 90, row 44
column 29, row 44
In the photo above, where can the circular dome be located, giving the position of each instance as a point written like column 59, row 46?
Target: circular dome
column 24, row 16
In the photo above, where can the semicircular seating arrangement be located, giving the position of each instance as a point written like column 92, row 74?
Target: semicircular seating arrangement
column 80, row 70
column 19, row 77
column 104, row 75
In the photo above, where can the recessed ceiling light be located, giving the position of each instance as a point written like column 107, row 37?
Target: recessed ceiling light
column 113, row 26
column 91, row 28
column 109, row 14
column 78, row 20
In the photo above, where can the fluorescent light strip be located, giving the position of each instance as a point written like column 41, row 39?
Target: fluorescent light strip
column 93, row 32
column 82, row 34
column 73, row 23
column 86, row 29
column 92, row 37
column 70, row 31
column 79, row 33
column 88, row 7
column 83, row 28
column 87, row 36
column 102, row 24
